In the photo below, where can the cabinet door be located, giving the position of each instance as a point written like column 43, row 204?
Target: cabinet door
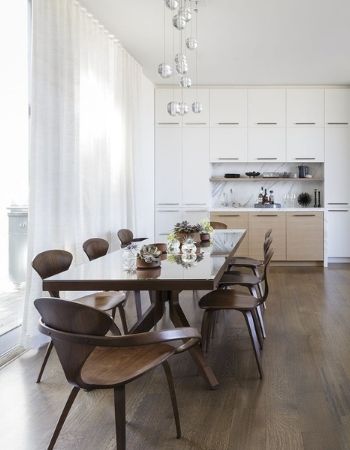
column 305, row 144
column 236, row 221
column 305, row 107
column 266, row 144
column 194, row 216
column 337, row 179
column 198, row 119
column 338, row 236
column 195, row 166
column 162, row 98
column 168, row 166
column 337, row 107
column 305, row 236
column 228, row 143
column 165, row 221
column 266, row 107
column 259, row 223
column 228, row 107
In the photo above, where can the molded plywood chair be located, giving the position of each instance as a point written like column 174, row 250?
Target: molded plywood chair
column 91, row 360
column 126, row 237
column 229, row 299
column 53, row 262
column 218, row 225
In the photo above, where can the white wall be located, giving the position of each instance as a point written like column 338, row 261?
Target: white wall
column 144, row 165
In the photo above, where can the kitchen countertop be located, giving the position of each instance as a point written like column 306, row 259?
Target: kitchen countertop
column 230, row 209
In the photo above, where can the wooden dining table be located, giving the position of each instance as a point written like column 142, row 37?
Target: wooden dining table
column 112, row 272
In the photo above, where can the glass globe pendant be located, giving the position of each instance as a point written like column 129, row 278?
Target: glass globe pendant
column 183, row 108
column 185, row 82
column 191, row 43
column 197, row 107
column 181, row 67
column 173, row 108
column 179, row 22
column 164, row 70
column 185, row 13
column 180, row 57
column 172, row 4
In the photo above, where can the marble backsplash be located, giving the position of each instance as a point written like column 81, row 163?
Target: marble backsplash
column 236, row 193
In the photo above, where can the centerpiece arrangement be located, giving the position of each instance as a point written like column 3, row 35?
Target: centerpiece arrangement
column 206, row 230
column 184, row 230
column 148, row 257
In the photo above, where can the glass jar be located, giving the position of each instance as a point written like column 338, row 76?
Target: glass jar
column 189, row 246
column 128, row 260
column 173, row 246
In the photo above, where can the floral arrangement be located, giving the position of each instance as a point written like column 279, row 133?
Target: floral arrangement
column 187, row 228
column 171, row 237
column 206, row 227
column 149, row 254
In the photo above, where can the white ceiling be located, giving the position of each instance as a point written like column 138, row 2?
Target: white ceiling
column 243, row 41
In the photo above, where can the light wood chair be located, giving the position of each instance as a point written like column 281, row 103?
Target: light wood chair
column 53, row 262
column 91, row 360
column 229, row 299
column 218, row 225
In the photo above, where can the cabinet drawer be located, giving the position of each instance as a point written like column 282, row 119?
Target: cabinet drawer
column 305, row 236
column 235, row 221
column 259, row 223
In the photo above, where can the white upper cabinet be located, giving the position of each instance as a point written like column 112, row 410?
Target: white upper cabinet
column 228, row 107
column 195, row 166
column 168, row 166
column 305, row 144
column 196, row 119
column 266, row 107
column 337, row 103
column 305, row 107
column 162, row 98
column 267, row 144
column 228, row 144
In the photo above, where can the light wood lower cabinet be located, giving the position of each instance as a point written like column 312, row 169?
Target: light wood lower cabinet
column 259, row 223
column 239, row 220
column 305, row 236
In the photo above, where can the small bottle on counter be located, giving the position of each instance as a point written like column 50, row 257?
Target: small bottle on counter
column 265, row 198
column 271, row 198
column 261, row 196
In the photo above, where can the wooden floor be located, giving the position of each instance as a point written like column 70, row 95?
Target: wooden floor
column 303, row 402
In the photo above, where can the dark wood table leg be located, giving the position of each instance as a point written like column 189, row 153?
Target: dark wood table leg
column 137, row 295
column 178, row 318
column 152, row 315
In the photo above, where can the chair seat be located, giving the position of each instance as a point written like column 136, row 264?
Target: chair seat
column 116, row 365
column 104, row 301
column 244, row 261
column 231, row 278
column 228, row 299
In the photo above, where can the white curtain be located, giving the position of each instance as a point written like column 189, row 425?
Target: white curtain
column 85, row 120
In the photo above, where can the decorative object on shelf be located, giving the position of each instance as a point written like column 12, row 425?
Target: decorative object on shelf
column 304, row 199
column 303, row 171
column 319, row 199
column 185, row 10
column 232, row 175
column 184, row 230
column 148, row 257
column 206, row 230
column 315, row 198
column 267, row 205
column 252, row 174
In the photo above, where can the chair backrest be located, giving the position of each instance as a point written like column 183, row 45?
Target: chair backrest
column 267, row 245
column 125, row 236
column 267, row 259
column 95, row 248
column 268, row 233
column 218, row 225
column 65, row 322
column 52, row 262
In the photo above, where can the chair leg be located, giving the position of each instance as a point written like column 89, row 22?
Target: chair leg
column 137, row 295
column 123, row 318
column 170, row 381
column 114, row 310
column 261, row 320
column 43, row 365
column 119, row 408
column 66, row 409
column 257, row 329
column 252, row 333
column 205, row 330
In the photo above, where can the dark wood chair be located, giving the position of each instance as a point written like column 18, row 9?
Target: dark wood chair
column 96, row 248
column 229, row 299
column 52, row 262
column 126, row 237
column 218, row 225
column 91, row 360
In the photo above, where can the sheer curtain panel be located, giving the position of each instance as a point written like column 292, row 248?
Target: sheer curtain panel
column 85, row 120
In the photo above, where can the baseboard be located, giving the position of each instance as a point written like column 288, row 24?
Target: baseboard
column 338, row 260
column 297, row 263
